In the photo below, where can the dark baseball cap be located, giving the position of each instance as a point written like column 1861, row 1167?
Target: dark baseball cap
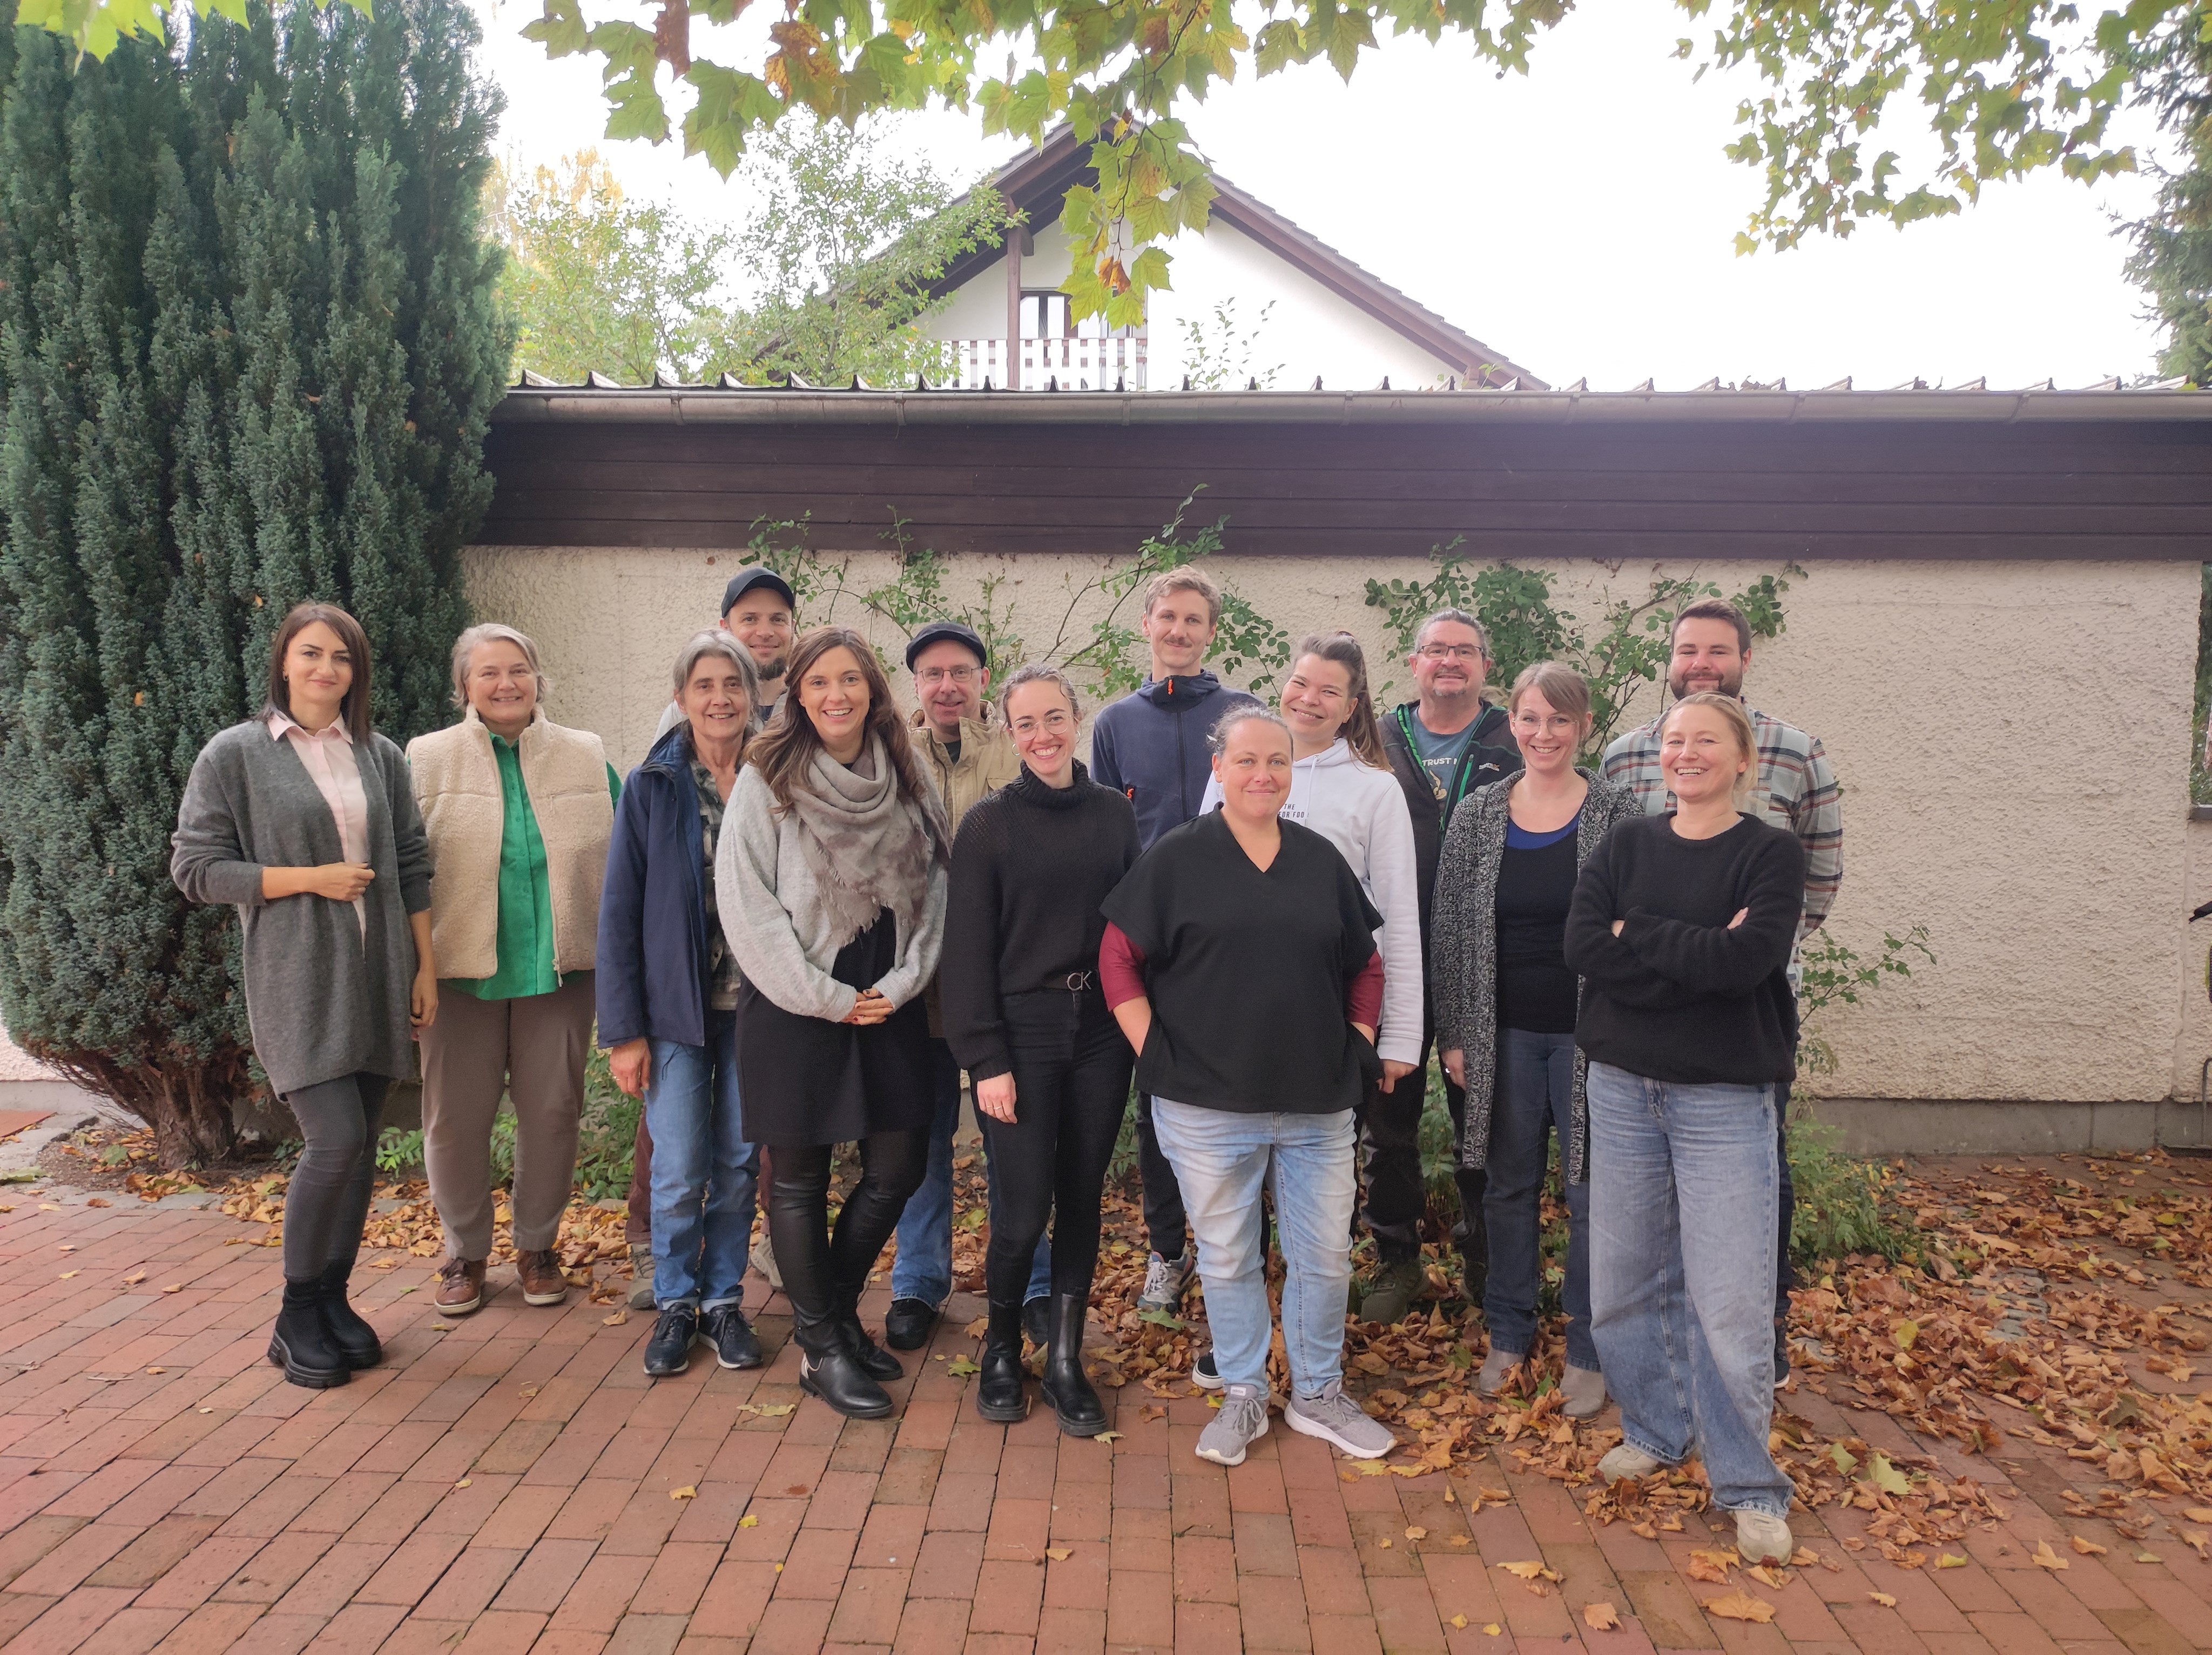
column 938, row 631
column 759, row 575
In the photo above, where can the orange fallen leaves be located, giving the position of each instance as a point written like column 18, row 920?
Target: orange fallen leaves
column 1601, row 1617
column 1740, row 1606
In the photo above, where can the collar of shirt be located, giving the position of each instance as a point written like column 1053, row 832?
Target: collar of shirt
column 281, row 723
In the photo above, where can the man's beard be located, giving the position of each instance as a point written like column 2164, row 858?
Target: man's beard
column 773, row 672
column 1679, row 683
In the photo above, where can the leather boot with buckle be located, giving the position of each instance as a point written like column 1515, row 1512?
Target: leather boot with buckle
column 1066, row 1386
column 460, row 1287
column 347, row 1331
column 827, row 1369
column 1001, row 1389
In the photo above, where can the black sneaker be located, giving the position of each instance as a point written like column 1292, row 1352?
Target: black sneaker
column 908, row 1323
column 1037, row 1321
column 1204, row 1374
column 736, row 1344
column 669, row 1350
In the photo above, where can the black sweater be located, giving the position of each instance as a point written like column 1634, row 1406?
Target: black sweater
column 1678, row 996
column 1030, row 865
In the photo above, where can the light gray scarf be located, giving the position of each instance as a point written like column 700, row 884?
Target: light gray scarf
column 867, row 846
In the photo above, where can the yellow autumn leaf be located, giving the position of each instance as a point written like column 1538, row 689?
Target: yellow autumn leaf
column 1384, row 1544
column 615, row 1320
column 1950, row 1560
column 1459, row 1540
column 2197, row 1513
column 2047, row 1558
column 1459, row 1622
column 1883, row 1598
column 2086, row 1548
column 68, row 1273
column 465, row 1482
column 1740, row 1606
column 1059, row 1554
column 749, row 1521
column 1601, row 1617
column 1417, row 1534
column 687, row 1492
column 1494, row 1630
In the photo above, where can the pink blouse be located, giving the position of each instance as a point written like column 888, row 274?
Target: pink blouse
column 329, row 757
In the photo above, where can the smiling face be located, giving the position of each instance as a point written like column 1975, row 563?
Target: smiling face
column 763, row 622
column 950, row 682
column 1180, row 627
column 501, row 687
column 1707, row 655
column 715, row 700
column 1043, row 728
column 1449, row 667
column 1547, row 738
column 834, row 695
column 1699, row 755
column 1253, row 769
column 1317, row 700
column 317, row 672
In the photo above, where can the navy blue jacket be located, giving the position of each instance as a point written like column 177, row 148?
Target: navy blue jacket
column 652, row 977
column 1150, row 747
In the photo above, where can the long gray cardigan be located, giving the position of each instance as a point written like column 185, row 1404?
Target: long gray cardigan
column 1464, row 932
column 325, row 998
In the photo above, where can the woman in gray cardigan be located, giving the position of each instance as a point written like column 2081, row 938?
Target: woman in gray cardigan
column 1505, row 1005
column 303, row 818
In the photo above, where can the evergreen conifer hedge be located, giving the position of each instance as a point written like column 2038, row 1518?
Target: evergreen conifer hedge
column 248, row 342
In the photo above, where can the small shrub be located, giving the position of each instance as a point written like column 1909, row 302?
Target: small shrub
column 1840, row 1206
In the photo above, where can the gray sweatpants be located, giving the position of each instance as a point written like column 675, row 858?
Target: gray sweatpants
column 326, row 1204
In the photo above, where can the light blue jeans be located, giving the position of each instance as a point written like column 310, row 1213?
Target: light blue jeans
column 923, row 1268
column 704, row 1174
column 1684, row 1190
column 1308, row 1165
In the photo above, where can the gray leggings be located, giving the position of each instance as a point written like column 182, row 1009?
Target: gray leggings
column 326, row 1204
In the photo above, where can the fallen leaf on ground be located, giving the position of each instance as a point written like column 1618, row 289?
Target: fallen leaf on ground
column 1531, row 1571
column 1803, row 1558
column 1494, row 1630
column 1059, row 1554
column 1950, row 1560
column 2197, row 1513
column 1709, row 1566
column 2086, row 1548
column 1384, row 1544
column 174, row 1287
column 768, row 1410
column 133, row 1280
column 442, row 1327
column 1774, row 1578
column 1108, row 1436
column 68, row 1273
column 465, row 1482
column 749, row 1521
column 615, row 1320
column 979, row 1327
column 1886, row 1477
column 1740, row 1606
column 963, row 1366
column 1459, row 1622
column 1459, row 1540
column 796, row 1489
column 2047, row 1558
column 1417, row 1534
column 1883, row 1598
column 529, row 1389
column 687, row 1492
column 1601, row 1617
column 2147, row 1557
column 1153, row 1411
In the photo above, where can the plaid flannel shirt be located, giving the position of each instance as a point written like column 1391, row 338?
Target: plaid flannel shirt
column 1797, row 791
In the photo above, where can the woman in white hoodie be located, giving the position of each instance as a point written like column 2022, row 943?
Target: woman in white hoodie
column 1343, row 788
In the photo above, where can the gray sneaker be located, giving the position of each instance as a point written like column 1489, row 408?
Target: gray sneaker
column 1584, row 1389
column 1242, row 1419
column 1335, row 1417
column 763, row 1259
column 1624, row 1461
column 1496, row 1368
column 640, row 1278
column 1166, row 1280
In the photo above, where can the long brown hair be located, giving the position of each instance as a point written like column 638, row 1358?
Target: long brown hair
column 1362, row 730
column 784, row 751
column 353, row 707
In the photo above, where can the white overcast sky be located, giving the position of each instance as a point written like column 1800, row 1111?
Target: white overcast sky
column 1579, row 220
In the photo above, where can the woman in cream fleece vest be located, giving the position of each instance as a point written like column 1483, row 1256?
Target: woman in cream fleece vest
column 519, row 811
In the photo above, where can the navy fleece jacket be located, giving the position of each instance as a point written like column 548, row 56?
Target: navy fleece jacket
column 1150, row 746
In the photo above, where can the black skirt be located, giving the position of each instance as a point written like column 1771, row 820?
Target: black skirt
column 808, row 1081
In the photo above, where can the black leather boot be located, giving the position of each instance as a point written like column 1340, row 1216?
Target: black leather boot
column 1066, row 1386
column 829, row 1366
column 875, row 1361
column 1001, row 1390
column 347, row 1331
column 828, row 1369
column 301, row 1345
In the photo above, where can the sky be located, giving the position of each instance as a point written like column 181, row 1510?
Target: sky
column 1579, row 220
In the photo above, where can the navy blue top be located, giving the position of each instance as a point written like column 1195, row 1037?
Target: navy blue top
column 1536, row 888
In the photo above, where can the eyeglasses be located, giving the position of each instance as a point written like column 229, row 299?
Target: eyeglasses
column 1452, row 651
column 943, row 675
column 1053, row 724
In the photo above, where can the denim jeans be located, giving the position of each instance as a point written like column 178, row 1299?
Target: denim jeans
column 1534, row 1098
column 1683, row 1191
column 704, row 1173
column 1308, row 1165
column 923, row 1268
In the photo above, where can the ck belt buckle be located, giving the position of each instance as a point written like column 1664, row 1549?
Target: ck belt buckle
column 1076, row 981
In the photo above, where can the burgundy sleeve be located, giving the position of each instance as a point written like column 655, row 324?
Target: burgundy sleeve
column 1363, row 1000
column 1122, row 967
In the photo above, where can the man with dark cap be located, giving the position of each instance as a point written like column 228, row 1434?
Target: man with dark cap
column 760, row 612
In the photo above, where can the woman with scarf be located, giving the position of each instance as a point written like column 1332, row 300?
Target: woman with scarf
column 831, row 879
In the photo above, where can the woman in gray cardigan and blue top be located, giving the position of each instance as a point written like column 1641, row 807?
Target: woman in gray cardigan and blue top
column 1505, row 1002
column 831, row 875
column 303, row 818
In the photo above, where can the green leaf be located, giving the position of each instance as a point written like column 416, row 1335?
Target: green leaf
column 561, row 30
column 731, row 103
column 1161, row 1318
column 1845, row 1461
column 1886, row 1477
column 961, row 1367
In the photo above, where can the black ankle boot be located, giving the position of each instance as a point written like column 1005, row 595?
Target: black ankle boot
column 349, row 1332
column 1066, row 1386
column 301, row 1345
column 875, row 1361
column 1001, row 1389
column 828, row 1369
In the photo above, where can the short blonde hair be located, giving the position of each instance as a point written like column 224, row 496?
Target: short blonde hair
column 1566, row 690
column 1740, row 726
column 1184, row 580
column 492, row 632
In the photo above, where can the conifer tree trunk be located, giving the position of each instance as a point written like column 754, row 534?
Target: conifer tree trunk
column 248, row 349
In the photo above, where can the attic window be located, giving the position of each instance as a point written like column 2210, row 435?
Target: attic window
column 1044, row 315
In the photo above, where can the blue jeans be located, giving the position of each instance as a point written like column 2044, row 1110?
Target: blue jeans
column 1683, row 1194
column 1310, row 1165
column 1534, row 1098
column 923, row 1268
column 704, row 1173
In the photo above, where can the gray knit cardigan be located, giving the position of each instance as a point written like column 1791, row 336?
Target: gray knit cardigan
column 1463, row 928
column 325, row 999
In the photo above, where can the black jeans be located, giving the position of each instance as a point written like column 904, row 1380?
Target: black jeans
column 1166, row 1224
column 1397, row 1195
column 326, row 1202
column 1071, row 1084
column 824, row 1274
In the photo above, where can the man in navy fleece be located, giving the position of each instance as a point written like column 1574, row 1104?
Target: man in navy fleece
column 1150, row 744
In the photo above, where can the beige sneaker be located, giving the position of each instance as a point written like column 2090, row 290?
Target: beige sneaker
column 1584, row 1391
column 1496, row 1368
column 460, row 1287
column 1760, row 1537
column 539, row 1272
column 640, row 1277
column 1627, row 1462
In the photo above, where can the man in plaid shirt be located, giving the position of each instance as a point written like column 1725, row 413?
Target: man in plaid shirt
column 1711, row 646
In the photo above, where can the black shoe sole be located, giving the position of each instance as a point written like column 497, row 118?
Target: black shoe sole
column 807, row 1384
column 314, row 1379
column 1073, row 1428
column 1002, row 1415
column 895, row 1343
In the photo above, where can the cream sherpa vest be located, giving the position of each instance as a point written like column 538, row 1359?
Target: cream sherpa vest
column 456, row 784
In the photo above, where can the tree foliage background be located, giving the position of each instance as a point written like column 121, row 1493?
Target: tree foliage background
column 248, row 340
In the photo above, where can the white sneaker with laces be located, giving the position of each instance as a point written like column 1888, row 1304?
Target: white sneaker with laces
column 1761, row 1536
column 1240, row 1421
column 1627, row 1462
column 1335, row 1417
column 1166, row 1280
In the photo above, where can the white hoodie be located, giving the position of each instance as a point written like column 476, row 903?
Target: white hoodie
column 1362, row 811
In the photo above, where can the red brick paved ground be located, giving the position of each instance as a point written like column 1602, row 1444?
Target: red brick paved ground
column 503, row 1484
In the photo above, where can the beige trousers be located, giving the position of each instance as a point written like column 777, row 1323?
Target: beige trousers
column 533, row 1048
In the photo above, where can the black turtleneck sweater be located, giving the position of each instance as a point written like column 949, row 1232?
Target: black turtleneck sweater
column 1030, row 865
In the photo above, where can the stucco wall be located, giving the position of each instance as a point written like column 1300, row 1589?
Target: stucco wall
column 2013, row 738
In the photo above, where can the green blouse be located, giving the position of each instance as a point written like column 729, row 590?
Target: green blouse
column 525, row 893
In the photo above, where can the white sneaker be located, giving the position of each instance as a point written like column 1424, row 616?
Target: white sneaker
column 1760, row 1537
column 1627, row 1462
column 1335, row 1417
column 1204, row 1374
column 1240, row 1421
column 1166, row 1280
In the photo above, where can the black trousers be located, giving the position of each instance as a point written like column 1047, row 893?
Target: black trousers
column 1071, row 1069
column 1397, row 1195
column 326, row 1204
column 1165, row 1223
column 823, row 1273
